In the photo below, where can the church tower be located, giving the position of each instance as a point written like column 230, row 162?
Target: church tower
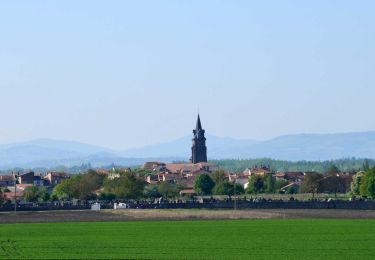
column 198, row 149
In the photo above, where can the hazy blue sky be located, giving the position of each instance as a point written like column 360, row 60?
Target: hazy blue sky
column 129, row 73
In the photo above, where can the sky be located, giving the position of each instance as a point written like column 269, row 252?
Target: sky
column 125, row 74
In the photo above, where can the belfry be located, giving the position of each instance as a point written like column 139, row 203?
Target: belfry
column 198, row 149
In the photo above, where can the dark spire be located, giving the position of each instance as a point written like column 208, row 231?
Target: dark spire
column 199, row 125
column 198, row 149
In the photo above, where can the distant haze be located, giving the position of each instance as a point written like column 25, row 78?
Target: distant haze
column 124, row 74
column 52, row 153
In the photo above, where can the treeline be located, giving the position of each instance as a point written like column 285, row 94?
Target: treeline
column 345, row 165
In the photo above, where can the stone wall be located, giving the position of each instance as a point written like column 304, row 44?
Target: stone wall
column 355, row 205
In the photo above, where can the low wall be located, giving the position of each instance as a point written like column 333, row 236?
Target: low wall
column 354, row 205
column 44, row 208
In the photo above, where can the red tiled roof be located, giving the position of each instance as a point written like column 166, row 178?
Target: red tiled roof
column 290, row 174
column 59, row 174
column 10, row 195
column 6, row 178
column 102, row 171
column 23, row 186
column 290, row 185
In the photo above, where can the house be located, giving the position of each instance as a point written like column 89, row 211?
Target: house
column 190, row 168
column 6, row 180
column 154, row 166
column 291, row 188
column 152, row 179
column 180, row 168
column 38, row 180
column 261, row 171
column 172, row 178
column 54, row 178
column 290, row 176
column 102, row 172
column 239, row 178
column 242, row 181
column 187, row 182
column 113, row 174
column 26, row 178
column 10, row 195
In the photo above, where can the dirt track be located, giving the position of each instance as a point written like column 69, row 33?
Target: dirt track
column 162, row 215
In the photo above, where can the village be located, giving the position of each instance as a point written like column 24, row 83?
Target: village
column 180, row 181
column 158, row 181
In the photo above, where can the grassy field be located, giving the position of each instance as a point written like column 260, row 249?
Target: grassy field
column 240, row 239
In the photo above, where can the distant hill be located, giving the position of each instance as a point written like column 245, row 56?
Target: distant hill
column 313, row 147
column 50, row 153
column 70, row 146
column 44, row 150
column 287, row 147
column 216, row 146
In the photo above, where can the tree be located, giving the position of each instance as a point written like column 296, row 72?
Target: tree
column 44, row 194
column 67, row 189
column 291, row 190
column 356, row 183
column 2, row 198
column 238, row 189
column 127, row 186
column 256, row 184
column 87, row 184
column 228, row 188
column 167, row 189
column 367, row 186
column 35, row 193
column 203, row 184
column 220, row 189
column 311, row 183
column 280, row 183
column 270, row 184
column 31, row 193
column 107, row 196
column 332, row 184
column 366, row 165
column 218, row 176
column 333, row 170
column 151, row 191
column 223, row 188
column 79, row 186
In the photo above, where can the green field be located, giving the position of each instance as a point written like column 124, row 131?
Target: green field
column 241, row 239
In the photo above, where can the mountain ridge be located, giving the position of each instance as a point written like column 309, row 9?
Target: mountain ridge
column 293, row 147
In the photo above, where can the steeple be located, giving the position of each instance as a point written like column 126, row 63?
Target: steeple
column 198, row 149
column 199, row 125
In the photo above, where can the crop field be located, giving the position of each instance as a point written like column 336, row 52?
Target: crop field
column 219, row 239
